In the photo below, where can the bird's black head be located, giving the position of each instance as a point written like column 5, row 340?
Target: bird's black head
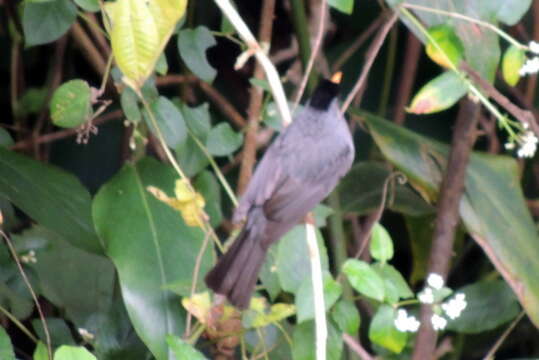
column 325, row 92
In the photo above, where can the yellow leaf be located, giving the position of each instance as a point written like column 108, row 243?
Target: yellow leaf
column 188, row 202
column 198, row 305
column 140, row 31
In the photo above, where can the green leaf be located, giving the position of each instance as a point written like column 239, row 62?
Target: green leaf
column 344, row 6
column 493, row 208
column 259, row 316
column 223, row 141
column 206, row 184
column 292, row 262
column 395, row 286
column 510, row 12
column 70, row 104
column 191, row 157
column 161, row 66
column 439, row 94
column 449, row 43
column 192, row 44
column 32, row 101
column 364, row 279
column 321, row 212
column 129, row 102
column 268, row 273
column 382, row 330
column 170, row 122
column 5, row 138
column 366, row 198
column 73, row 353
column 304, row 339
column 58, row 269
column 151, row 247
column 305, row 301
column 58, row 329
column 46, row 22
column 346, row 315
column 512, row 62
column 381, row 245
column 6, row 349
column 88, row 5
column 490, row 304
column 198, row 119
column 41, row 352
column 50, row 196
column 183, row 350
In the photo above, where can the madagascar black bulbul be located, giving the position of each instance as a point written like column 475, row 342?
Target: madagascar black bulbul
column 299, row 169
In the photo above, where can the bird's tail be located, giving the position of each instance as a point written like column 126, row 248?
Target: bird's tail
column 236, row 272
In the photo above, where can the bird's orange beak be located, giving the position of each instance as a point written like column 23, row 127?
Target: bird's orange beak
column 337, row 77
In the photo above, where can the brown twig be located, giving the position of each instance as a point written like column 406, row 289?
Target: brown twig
column 526, row 117
column 447, row 216
column 57, row 135
column 409, row 69
column 255, row 102
column 347, row 54
column 97, row 60
column 531, row 84
column 499, row 342
column 356, row 347
column 98, row 35
column 371, row 55
column 314, row 53
column 215, row 96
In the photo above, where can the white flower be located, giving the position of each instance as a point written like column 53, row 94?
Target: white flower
column 405, row 323
column 534, row 47
column 435, row 281
column 438, row 322
column 426, row 296
column 454, row 307
column 528, row 145
column 531, row 66
column 85, row 334
column 30, row 257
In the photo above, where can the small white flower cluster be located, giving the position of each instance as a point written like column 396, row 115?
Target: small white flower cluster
column 531, row 66
column 528, row 145
column 527, row 141
column 29, row 258
column 454, row 307
column 438, row 322
column 434, row 282
column 405, row 323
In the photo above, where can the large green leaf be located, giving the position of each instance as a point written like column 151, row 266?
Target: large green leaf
column 151, row 248
column 489, row 305
column 481, row 45
column 492, row 208
column 304, row 339
column 50, row 196
column 58, row 270
column 361, row 192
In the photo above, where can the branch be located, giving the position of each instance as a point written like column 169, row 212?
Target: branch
column 255, row 102
column 314, row 53
column 409, row 69
column 371, row 55
column 526, row 117
column 447, row 217
column 356, row 347
column 271, row 73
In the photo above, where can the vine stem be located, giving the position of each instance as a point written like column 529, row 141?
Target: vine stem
column 488, row 25
column 34, row 296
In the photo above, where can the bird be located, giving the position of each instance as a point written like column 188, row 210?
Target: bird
column 298, row 170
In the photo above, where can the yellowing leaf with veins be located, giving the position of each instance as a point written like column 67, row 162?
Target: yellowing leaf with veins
column 188, row 202
column 140, row 30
